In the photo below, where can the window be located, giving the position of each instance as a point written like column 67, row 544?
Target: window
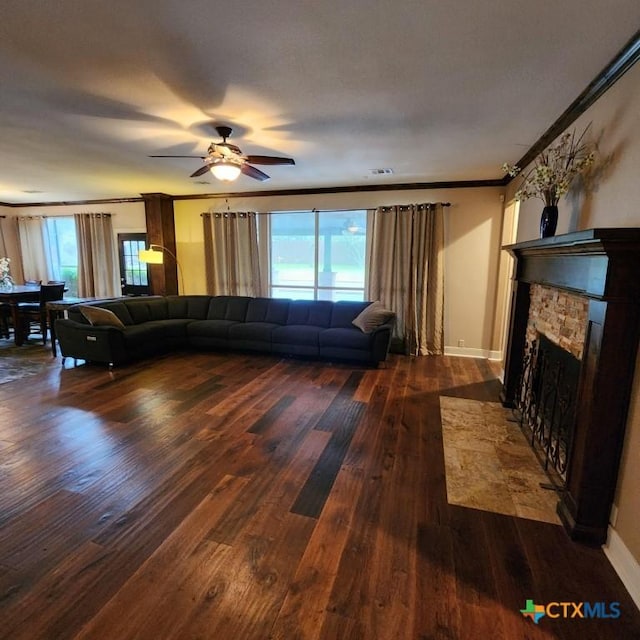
column 318, row 255
column 62, row 247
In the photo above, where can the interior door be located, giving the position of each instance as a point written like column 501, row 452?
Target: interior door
column 133, row 273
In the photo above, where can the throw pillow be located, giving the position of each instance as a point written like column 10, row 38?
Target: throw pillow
column 370, row 318
column 101, row 317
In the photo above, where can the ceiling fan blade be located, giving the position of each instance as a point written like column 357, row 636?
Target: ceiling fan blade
column 201, row 171
column 269, row 160
column 201, row 157
column 252, row 172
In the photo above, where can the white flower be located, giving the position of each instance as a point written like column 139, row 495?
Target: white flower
column 554, row 169
column 5, row 278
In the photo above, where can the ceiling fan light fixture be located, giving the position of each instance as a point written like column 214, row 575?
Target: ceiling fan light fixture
column 225, row 170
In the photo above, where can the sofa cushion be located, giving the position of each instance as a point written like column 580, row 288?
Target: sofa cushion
column 210, row 328
column 268, row 310
column 344, row 312
column 370, row 318
column 193, row 307
column 142, row 310
column 155, row 331
column 255, row 331
column 296, row 334
column 101, row 317
column 348, row 338
column 119, row 308
column 228, row 308
column 310, row 312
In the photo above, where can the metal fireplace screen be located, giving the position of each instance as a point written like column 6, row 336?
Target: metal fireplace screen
column 546, row 404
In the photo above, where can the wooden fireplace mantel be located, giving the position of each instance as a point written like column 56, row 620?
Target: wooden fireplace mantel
column 602, row 265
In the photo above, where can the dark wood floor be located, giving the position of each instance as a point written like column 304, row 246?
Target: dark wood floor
column 205, row 496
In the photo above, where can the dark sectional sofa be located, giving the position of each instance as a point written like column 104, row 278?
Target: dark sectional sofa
column 156, row 324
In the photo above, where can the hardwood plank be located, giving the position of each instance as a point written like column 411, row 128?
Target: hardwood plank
column 436, row 612
column 342, row 404
column 314, row 493
column 267, row 418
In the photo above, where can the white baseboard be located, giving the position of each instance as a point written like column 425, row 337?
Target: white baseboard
column 625, row 565
column 468, row 352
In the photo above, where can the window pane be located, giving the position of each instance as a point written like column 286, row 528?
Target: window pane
column 355, row 295
column 292, row 294
column 293, row 248
column 135, row 271
column 342, row 245
column 62, row 252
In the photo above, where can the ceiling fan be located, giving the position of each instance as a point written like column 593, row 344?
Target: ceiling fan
column 227, row 162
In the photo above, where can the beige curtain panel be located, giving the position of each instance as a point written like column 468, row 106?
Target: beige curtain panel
column 3, row 242
column 405, row 272
column 10, row 246
column 33, row 248
column 97, row 262
column 232, row 262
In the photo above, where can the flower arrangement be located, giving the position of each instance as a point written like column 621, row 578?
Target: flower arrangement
column 554, row 169
column 5, row 279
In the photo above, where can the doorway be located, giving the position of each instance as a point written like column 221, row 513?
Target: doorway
column 505, row 273
column 134, row 280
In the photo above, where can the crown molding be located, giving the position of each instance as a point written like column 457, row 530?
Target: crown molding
column 65, row 203
column 619, row 65
column 454, row 184
column 408, row 186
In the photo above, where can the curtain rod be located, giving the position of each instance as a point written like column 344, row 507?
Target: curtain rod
column 428, row 204
column 314, row 210
column 65, row 215
column 421, row 204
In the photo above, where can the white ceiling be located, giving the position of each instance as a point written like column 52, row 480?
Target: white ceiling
column 434, row 90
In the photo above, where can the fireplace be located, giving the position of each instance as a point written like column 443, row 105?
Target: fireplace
column 545, row 404
column 576, row 423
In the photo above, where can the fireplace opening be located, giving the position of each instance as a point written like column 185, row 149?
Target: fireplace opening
column 545, row 405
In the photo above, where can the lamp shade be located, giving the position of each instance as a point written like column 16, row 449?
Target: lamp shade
column 225, row 171
column 151, row 256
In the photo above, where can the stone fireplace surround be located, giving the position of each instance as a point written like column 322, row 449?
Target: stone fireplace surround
column 560, row 315
column 582, row 290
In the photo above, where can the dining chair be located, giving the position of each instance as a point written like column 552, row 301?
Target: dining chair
column 5, row 317
column 36, row 312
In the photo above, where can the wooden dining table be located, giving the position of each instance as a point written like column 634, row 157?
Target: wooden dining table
column 19, row 293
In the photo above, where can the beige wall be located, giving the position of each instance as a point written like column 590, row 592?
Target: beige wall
column 472, row 240
column 612, row 202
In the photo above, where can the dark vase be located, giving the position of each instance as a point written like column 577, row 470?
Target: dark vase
column 549, row 221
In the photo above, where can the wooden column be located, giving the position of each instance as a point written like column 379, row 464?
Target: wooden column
column 604, row 266
column 158, row 209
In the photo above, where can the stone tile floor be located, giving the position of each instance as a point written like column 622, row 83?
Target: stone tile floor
column 489, row 463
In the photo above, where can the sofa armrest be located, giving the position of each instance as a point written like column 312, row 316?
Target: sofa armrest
column 381, row 340
column 93, row 343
